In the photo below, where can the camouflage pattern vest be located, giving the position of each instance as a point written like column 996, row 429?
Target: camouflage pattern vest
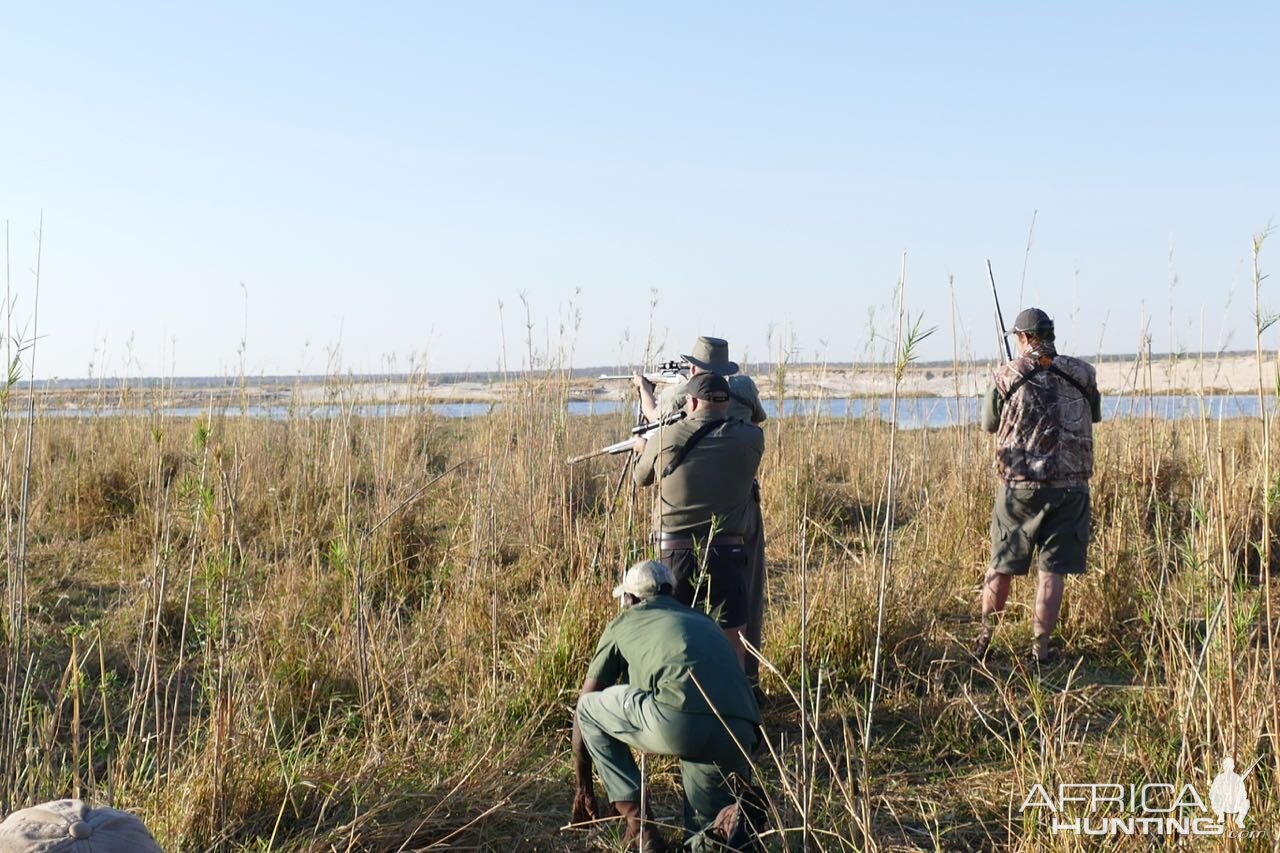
column 1045, row 436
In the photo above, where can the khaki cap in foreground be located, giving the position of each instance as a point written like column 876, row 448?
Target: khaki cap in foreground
column 73, row 826
column 644, row 579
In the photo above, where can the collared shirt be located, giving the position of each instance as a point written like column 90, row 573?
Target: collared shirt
column 679, row 654
column 744, row 401
column 714, row 478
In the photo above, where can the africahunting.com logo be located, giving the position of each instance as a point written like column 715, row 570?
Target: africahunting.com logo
column 1155, row 808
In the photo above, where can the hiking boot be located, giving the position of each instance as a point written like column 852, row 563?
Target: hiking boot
column 653, row 841
column 738, row 824
column 635, row 840
column 1048, row 658
column 982, row 645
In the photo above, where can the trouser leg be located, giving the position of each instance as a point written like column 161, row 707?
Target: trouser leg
column 603, row 723
column 622, row 717
column 704, row 776
column 756, row 590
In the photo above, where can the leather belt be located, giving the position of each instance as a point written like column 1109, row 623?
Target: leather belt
column 682, row 543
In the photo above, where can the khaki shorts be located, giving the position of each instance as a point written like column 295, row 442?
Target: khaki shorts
column 1050, row 523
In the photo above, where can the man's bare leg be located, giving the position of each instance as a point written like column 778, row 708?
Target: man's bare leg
column 995, row 592
column 1048, row 603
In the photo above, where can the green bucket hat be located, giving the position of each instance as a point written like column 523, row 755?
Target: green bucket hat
column 712, row 355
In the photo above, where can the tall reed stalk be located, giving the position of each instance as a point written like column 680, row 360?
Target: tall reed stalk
column 1262, row 322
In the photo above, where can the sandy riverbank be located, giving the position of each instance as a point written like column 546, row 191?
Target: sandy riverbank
column 1233, row 374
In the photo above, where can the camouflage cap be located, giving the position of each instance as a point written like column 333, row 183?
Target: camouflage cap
column 1031, row 320
column 708, row 387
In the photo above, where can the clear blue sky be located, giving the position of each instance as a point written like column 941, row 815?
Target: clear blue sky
column 380, row 176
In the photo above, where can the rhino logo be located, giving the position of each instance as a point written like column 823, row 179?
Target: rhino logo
column 1227, row 794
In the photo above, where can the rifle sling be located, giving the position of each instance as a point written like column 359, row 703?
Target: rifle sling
column 1024, row 378
column 683, row 450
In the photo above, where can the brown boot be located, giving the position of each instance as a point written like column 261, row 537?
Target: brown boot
column 641, row 836
column 982, row 645
column 738, row 824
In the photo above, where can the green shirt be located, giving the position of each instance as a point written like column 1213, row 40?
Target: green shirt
column 661, row 646
column 744, row 403
column 714, row 479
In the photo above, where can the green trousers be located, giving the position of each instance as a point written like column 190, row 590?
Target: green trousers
column 620, row 717
column 753, row 541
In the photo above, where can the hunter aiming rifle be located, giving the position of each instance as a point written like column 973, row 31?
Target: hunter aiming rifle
column 668, row 372
column 636, row 432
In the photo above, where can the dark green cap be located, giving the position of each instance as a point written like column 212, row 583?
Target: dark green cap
column 708, row 387
column 1031, row 320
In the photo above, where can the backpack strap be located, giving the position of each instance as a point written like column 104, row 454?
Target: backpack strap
column 683, row 450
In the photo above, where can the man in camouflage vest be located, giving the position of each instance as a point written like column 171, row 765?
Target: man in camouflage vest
column 1042, row 407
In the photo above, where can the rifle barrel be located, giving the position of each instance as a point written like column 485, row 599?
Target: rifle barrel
column 1008, row 351
column 611, row 450
column 627, row 443
column 655, row 378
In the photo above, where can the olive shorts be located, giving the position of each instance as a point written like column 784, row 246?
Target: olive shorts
column 1050, row 523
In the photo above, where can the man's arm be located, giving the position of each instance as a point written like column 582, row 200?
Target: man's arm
column 1095, row 405
column 585, row 806
column 648, row 403
column 745, row 388
column 642, row 474
column 992, row 403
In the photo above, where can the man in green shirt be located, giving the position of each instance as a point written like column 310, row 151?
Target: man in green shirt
column 663, row 680
column 705, row 468
column 711, row 355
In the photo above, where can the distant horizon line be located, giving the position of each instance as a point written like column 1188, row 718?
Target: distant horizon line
column 497, row 374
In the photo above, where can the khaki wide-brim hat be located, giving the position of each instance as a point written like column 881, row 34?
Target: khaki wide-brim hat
column 712, row 354
column 73, row 826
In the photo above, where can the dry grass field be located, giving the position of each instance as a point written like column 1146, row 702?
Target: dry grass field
column 367, row 633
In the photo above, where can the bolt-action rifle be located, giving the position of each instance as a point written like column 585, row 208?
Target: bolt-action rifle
column 626, row 444
column 669, row 372
column 1008, row 350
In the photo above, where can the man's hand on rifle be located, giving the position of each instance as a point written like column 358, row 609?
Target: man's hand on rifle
column 639, row 445
column 648, row 403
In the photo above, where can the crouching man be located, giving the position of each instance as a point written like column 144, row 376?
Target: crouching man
column 664, row 680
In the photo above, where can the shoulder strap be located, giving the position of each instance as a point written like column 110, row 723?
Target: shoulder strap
column 1023, row 379
column 1045, row 363
column 1054, row 369
column 683, row 450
